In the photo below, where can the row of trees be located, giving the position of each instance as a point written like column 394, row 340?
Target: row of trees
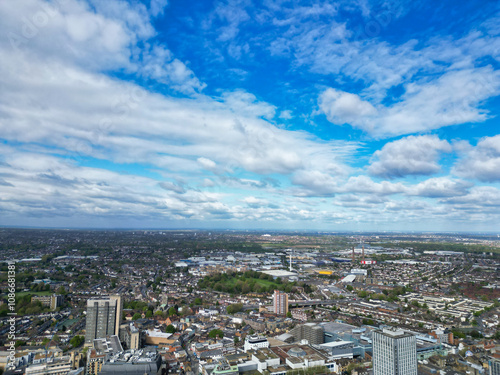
column 243, row 283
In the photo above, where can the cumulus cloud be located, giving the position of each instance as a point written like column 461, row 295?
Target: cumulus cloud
column 99, row 37
column 481, row 162
column 344, row 108
column 481, row 199
column 413, row 155
column 452, row 99
column 364, row 184
column 315, row 183
column 440, row 187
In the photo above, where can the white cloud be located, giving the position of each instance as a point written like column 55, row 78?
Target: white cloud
column 481, row 199
column 440, row 187
column 159, row 64
column 452, row 99
column 315, row 183
column 413, row 155
column 98, row 37
column 364, row 184
column 342, row 107
column 481, row 162
column 286, row 115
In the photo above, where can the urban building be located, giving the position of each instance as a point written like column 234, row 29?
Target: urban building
column 299, row 314
column 53, row 301
column 100, row 352
column 361, row 337
column 394, row 352
column 138, row 362
column 494, row 366
column 280, row 302
column 103, row 318
column 339, row 349
column 311, row 332
column 442, row 336
column 131, row 336
column 222, row 367
column 255, row 342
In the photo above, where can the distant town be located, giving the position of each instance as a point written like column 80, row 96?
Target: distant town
column 201, row 302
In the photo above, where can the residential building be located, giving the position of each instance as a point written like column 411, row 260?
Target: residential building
column 394, row 352
column 103, row 318
column 494, row 366
column 53, row 301
column 280, row 303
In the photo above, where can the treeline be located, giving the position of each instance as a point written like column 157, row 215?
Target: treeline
column 386, row 295
column 24, row 306
column 248, row 282
column 441, row 246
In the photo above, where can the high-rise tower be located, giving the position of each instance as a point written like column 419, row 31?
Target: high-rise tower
column 394, row 352
column 280, row 302
column 103, row 318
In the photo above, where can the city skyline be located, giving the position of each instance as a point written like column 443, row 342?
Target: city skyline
column 333, row 116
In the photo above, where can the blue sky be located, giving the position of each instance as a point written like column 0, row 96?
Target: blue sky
column 348, row 115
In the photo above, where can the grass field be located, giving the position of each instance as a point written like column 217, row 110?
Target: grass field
column 45, row 293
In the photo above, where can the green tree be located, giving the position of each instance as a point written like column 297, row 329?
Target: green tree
column 214, row 333
column 76, row 341
column 137, row 316
column 289, row 314
column 172, row 311
column 234, row 308
column 170, row 329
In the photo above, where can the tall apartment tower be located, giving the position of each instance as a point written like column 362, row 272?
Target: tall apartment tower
column 280, row 303
column 103, row 318
column 494, row 366
column 394, row 352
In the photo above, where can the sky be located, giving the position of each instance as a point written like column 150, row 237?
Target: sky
column 337, row 115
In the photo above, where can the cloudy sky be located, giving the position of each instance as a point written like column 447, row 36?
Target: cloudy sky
column 347, row 115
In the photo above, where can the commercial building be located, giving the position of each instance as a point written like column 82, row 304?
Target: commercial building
column 222, row 367
column 339, row 349
column 138, row 362
column 101, row 351
column 280, row 302
column 55, row 366
column 394, row 352
column 103, row 318
column 255, row 342
column 361, row 337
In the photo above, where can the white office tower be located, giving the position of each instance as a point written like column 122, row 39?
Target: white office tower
column 394, row 352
